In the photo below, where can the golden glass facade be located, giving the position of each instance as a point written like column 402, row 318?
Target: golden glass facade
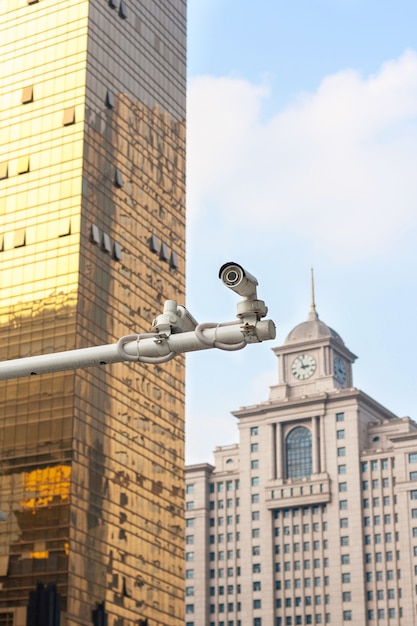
column 92, row 241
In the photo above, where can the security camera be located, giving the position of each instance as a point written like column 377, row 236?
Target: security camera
column 239, row 280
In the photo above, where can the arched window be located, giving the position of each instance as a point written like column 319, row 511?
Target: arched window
column 299, row 453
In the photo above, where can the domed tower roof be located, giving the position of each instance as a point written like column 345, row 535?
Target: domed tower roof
column 313, row 328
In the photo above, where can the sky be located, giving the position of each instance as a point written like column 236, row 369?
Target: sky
column 302, row 152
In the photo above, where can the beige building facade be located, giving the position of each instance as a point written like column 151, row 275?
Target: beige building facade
column 312, row 517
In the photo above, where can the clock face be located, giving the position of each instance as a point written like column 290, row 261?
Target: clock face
column 339, row 370
column 303, row 366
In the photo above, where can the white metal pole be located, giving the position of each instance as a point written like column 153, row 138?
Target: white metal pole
column 149, row 348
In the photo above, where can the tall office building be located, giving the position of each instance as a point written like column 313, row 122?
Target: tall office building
column 92, row 236
column 312, row 518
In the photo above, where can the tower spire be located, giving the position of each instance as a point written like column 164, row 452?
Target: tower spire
column 313, row 315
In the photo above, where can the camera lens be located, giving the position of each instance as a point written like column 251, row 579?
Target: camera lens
column 232, row 276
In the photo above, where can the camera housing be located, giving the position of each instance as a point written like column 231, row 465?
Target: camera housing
column 238, row 280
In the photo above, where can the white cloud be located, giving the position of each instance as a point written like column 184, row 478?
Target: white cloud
column 337, row 166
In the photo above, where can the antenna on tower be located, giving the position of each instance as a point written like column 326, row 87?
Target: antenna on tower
column 313, row 315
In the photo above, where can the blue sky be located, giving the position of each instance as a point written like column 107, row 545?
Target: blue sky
column 302, row 151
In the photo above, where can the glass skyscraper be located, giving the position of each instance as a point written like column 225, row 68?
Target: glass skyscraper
column 92, row 241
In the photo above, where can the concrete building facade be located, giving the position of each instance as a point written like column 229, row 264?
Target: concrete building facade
column 312, row 517
column 92, row 241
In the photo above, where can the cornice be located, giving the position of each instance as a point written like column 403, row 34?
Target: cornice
column 317, row 401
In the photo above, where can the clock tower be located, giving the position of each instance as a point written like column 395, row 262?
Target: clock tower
column 313, row 359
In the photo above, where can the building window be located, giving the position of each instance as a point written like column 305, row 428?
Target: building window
column 23, row 165
column 189, row 489
column 341, row 451
column 253, row 431
column 255, row 481
column 412, row 458
column 4, row 170
column 19, row 238
column 299, row 453
column 69, row 116
column 122, row 10
column 118, row 178
column 340, row 434
column 189, row 573
column 347, row 616
column 340, row 417
column 189, row 608
column 254, row 464
column 342, row 486
column 27, row 94
column 254, row 447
